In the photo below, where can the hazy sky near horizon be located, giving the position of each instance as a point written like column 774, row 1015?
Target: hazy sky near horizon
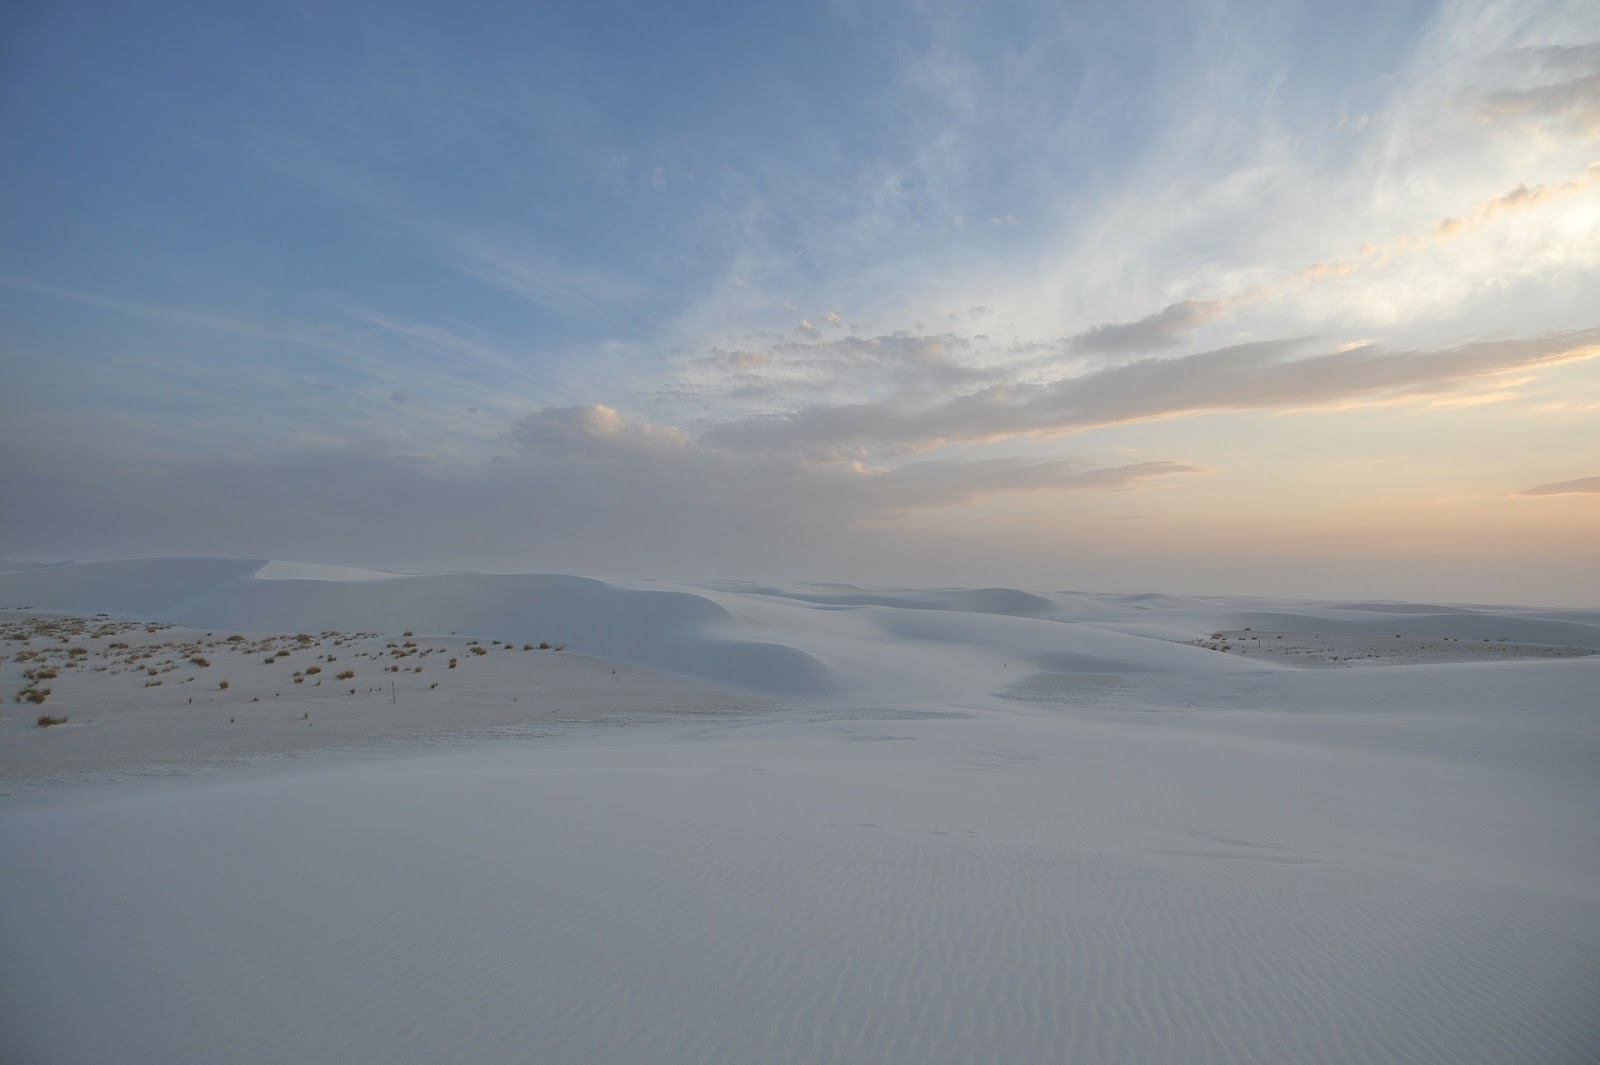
column 1222, row 296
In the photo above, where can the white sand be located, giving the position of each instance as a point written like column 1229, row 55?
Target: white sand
column 936, row 826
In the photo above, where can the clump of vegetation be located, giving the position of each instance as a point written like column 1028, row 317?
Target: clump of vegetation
column 452, row 663
column 152, row 684
column 201, row 662
column 45, row 720
column 222, row 685
column 345, row 674
column 480, row 650
column 312, row 671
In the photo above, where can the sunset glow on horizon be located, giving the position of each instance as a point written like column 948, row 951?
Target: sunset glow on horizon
column 1189, row 298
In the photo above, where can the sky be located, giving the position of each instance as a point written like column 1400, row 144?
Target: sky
column 1214, row 297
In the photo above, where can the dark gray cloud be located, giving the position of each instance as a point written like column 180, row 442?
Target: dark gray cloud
column 1561, row 488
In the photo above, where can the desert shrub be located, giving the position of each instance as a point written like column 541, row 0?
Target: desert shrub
column 345, row 674
column 45, row 720
column 312, row 671
column 480, row 650
column 236, row 638
column 452, row 663
column 152, row 684
column 416, row 669
column 42, row 673
column 201, row 662
column 222, row 685
column 77, row 652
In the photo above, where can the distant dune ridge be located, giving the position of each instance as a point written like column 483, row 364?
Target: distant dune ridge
column 549, row 818
column 791, row 641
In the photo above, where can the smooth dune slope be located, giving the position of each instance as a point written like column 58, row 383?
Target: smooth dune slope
column 986, row 825
column 1039, row 882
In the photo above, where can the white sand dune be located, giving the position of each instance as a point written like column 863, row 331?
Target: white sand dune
column 917, row 826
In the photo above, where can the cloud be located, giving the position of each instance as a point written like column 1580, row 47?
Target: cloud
column 1572, row 100
column 578, row 292
column 583, row 488
column 1561, row 488
column 1264, row 375
column 1168, row 326
column 563, row 433
column 1521, row 198
column 640, row 457
column 788, row 371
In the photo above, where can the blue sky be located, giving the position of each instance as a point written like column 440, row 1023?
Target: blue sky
column 1045, row 294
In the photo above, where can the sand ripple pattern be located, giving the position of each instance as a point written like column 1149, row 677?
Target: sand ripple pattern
column 610, row 906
